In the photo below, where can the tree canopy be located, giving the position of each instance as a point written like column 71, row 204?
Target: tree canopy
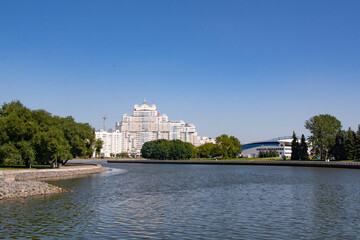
column 208, row 150
column 323, row 128
column 357, row 144
column 295, row 148
column 299, row 151
column 164, row 149
column 345, row 146
column 35, row 136
column 268, row 153
column 98, row 146
column 338, row 150
column 229, row 147
column 349, row 144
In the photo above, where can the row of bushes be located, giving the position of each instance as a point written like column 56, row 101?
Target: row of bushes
column 165, row 149
column 268, row 153
column 225, row 147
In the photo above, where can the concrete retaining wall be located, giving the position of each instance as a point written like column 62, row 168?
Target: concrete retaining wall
column 64, row 172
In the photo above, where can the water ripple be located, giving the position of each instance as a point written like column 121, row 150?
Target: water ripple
column 135, row 201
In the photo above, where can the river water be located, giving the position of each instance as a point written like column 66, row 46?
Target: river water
column 161, row 201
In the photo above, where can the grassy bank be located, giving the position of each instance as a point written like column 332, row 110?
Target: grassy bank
column 262, row 159
column 236, row 159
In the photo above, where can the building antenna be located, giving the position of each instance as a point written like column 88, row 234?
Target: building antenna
column 104, row 117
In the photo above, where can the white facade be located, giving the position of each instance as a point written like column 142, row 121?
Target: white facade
column 281, row 145
column 146, row 124
column 112, row 142
column 204, row 140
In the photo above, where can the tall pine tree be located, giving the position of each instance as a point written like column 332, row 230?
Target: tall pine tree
column 339, row 148
column 350, row 144
column 303, row 151
column 357, row 144
column 295, row 147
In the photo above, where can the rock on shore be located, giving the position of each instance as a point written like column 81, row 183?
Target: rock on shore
column 9, row 188
column 21, row 183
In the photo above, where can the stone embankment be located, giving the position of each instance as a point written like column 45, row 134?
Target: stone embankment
column 21, row 183
column 249, row 162
column 9, row 188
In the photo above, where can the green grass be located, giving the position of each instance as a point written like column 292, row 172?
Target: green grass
column 237, row 159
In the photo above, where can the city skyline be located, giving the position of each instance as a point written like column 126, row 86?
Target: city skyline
column 252, row 69
column 146, row 124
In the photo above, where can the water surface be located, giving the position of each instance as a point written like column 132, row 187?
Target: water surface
column 193, row 202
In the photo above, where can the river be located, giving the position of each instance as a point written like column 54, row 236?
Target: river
column 160, row 201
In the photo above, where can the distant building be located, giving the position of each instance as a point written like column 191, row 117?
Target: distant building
column 281, row 145
column 112, row 142
column 146, row 124
column 204, row 140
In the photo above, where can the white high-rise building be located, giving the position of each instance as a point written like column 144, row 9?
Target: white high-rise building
column 146, row 124
column 112, row 141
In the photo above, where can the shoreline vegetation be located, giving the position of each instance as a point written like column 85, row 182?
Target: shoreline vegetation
column 20, row 183
column 217, row 159
column 36, row 137
column 43, row 143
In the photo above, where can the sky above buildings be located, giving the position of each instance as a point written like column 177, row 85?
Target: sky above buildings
column 254, row 69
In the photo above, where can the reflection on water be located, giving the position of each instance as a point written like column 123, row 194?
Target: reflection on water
column 193, row 202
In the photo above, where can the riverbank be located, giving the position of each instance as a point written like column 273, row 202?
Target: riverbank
column 24, row 182
column 249, row 162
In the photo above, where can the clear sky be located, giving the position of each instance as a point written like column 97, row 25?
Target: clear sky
column 255, row 69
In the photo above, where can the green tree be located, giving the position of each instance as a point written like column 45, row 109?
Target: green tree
column 357, row 144
column 52, row 147
column 8, row 108
column 229, row 147
column 147, row 149
column 157, row 149
column 9, row 154
column 192, row 149
column 338, row 151
column 273, row 153
column 180, row 150
column 27, row 153
column 122, row 155
column 163, row 149
column 208, row 149
column 268, row 153
column 16, row 132
column 323, row 128
column 98, row 146
column 350, row 148
column 303, row 149
column 295, row 148
column 35, row 136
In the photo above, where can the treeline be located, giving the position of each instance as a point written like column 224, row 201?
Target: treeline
column 328, row 140
column 268, row 153
column 164, row 149
column 36, row 137
column 299, row 151
column 120, row 155
column 347, row 145
column 225, row 147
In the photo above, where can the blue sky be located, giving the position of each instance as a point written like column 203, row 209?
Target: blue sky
column 254, row 69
